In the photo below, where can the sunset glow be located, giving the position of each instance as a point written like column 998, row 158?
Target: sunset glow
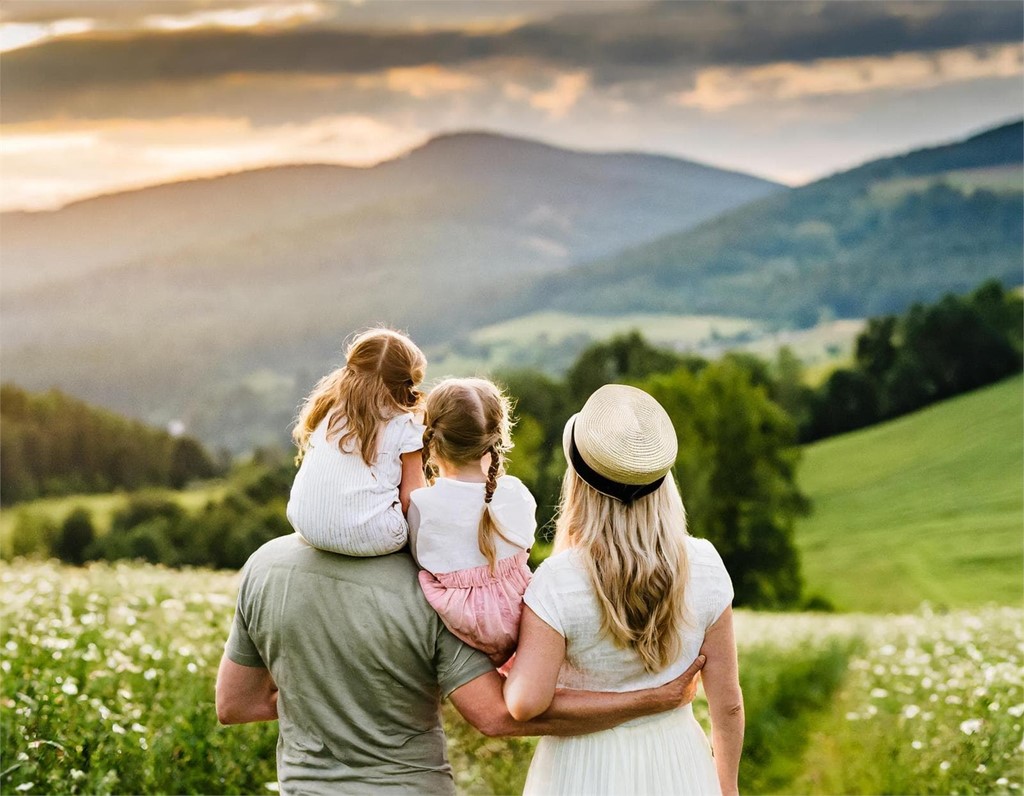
column 169, row 90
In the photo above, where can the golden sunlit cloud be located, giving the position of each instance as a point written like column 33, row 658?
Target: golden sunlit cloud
column 44, row 169
column 720, row 88
column 563, row 95
column 15, row 35
column 249, row 17
column 421, row 82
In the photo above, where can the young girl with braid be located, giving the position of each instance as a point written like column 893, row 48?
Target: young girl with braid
column 359, row 446
column 471, row 531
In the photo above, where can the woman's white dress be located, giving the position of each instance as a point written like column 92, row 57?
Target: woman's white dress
column 667, row 753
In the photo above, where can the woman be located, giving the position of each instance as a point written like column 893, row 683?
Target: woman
column 628, row 601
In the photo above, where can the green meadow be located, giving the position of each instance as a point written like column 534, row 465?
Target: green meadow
column 101, row 507
column 924, row 508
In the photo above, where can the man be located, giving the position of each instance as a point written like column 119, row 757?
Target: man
column 347, row 654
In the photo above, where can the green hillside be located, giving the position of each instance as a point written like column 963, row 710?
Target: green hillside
column 866, row 242
column 927, row 507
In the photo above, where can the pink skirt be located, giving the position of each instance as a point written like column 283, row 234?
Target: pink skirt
column 481, row 608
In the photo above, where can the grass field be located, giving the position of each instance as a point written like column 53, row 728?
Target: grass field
column 924, row 508
column 108, row 676
column 999, row 179
column 550, row 341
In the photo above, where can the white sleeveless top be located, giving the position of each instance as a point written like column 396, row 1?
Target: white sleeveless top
column 341, row 504
column 562, row 595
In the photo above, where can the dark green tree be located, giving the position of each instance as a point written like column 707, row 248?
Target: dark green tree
column 76, row 536
column 737, row 473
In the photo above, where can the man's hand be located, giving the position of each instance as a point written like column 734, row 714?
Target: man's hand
column 682, row 690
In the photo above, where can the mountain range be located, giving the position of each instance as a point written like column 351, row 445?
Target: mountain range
column 220, row 301
column 162, row 301
column 869, row 241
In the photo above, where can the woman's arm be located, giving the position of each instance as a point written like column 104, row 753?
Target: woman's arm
column 722, row 686
column 530, row 686
column 412, row 477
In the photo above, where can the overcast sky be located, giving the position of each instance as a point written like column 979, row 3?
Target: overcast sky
column 109, row 94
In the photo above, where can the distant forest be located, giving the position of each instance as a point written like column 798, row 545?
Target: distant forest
column 867, row 242
column 52, row 444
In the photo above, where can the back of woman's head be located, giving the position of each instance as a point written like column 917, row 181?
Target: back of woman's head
column 378, row 381
column 635, row 555
column 621, row 509
column 467, row 420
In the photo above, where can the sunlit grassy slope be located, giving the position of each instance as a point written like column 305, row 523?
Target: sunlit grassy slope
column 103, row 506
column 927, row 507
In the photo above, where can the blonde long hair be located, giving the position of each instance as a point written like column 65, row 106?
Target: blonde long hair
column 378, row 381
column 636, row 558
column 467, row 419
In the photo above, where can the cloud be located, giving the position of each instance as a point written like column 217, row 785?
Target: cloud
column 563, row 95
column 718, row 88
column 614, row 44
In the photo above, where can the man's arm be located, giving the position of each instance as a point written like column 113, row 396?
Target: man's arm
column 481, row 703
column 245, row 693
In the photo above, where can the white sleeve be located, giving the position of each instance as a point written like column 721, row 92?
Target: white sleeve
column 542, row 597
column 412, row 435
column 515, row 512
column 711, row 581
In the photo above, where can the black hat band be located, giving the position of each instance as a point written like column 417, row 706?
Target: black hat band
column 624, row 493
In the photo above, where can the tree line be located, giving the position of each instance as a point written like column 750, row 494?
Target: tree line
column 740, row 420
column 52, row 444
column 930, row 353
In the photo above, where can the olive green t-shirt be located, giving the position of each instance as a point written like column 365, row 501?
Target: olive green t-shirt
column 361, row 661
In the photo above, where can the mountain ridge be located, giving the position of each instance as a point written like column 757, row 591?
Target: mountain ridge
column 462, row 137
column 839, row 246
column 267, row 271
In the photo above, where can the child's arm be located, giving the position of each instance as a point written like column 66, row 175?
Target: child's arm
column 412, row 477
column 413, row 518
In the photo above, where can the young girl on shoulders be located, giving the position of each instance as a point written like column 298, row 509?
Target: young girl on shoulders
column 472, row 530
column 359, row 443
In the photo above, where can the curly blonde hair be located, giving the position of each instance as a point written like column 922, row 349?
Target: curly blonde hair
column 378, row 381
column 467, row 419
column 636, row 558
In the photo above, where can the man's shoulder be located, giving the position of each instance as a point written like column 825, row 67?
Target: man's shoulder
column 292, row 552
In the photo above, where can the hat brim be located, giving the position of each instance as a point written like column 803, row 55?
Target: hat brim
column 567, row 440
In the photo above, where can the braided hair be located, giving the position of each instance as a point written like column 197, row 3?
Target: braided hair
column 466, row 420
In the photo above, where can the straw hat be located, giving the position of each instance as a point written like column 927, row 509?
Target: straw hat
column 622, row 442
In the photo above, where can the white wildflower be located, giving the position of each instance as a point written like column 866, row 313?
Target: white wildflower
column 970, row 726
